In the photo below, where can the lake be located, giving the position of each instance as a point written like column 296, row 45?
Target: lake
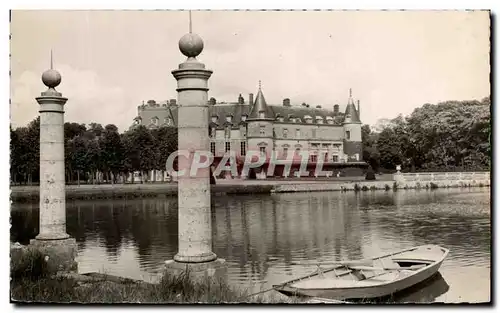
column 260, row 236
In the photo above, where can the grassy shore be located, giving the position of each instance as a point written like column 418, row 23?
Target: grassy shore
column 31, row 281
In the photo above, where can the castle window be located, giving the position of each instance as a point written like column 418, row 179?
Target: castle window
column 313, row 158
column 228, row 146
column 212, row 148
column 262, row 150
column 314, row 133
column 335, row 158
column 348, row 134
column 227, row 132
column 285, row 132
column 243, row 148
column 285, row 152
column 297, row 133
column 262, row 130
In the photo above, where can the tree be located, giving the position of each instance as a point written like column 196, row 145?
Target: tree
column 112, row 151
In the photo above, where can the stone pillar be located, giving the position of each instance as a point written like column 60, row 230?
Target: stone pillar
column 52, row 238
column 195, row 229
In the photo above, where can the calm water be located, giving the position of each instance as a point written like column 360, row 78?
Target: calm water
column 259, row 236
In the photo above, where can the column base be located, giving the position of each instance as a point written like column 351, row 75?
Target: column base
column 60, row 254
column 216, row 269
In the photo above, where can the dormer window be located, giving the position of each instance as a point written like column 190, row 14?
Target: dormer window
column 319, row 119
column 329, row 120
column 167, row 121
column 154, row 120
column 244, row 117
column 229, row 118
column 215, row 118
column 262, row 114
column 212, row 132
column 308, row 119
column 227, row 132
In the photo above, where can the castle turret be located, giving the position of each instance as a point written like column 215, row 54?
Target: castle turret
column 353, row 147
column 260, row 125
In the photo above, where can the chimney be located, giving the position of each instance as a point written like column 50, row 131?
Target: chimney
column 250, row 98
column 359, row 112
column 286, row 102
column 240, row 99
column 336, row 109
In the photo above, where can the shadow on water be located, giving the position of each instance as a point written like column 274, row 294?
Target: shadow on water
column 424, row 292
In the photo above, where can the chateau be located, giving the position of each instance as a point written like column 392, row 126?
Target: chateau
column 239, row 127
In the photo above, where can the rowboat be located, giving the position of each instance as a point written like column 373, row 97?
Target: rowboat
column 372, row 278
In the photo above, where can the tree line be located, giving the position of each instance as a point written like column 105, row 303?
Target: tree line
column 93, row 154
column 448, row 136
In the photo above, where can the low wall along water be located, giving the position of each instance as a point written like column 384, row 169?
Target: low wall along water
column 399, row 181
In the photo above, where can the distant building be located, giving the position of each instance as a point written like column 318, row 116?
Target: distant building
column 285, row 129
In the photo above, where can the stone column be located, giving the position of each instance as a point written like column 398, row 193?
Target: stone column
column 52, row 238
column 195, row 229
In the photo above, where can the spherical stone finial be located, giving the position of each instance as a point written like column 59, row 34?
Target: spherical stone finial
column 51, row 78
column 191, row 45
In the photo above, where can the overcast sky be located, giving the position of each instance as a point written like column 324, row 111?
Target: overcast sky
column 110, row 61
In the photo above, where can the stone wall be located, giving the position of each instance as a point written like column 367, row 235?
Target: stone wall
column 441, row 180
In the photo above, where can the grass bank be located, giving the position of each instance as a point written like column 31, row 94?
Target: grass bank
column 31, row 281
column 130, row 191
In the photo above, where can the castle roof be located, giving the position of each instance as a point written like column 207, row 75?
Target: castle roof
column 260, row 105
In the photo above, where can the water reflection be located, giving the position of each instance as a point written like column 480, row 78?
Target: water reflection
column 261, row 236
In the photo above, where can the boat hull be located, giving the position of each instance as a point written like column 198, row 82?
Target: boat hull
column 366, row 292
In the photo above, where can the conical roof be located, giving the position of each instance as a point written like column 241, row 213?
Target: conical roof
column 351, row 114
column 260, row 105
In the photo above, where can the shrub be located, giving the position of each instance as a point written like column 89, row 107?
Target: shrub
column 370, row 174
column 434, row 186
column 364, row 188
column 387, row 187
column 26, row 263
column 356, row 187
column 395, row 186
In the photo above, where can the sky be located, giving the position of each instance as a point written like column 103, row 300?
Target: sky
column 111, row 61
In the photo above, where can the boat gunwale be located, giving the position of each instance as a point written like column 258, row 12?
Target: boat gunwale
column 434, row 263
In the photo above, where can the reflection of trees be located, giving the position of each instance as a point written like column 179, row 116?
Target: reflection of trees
column 24, row 223
column 429, row 217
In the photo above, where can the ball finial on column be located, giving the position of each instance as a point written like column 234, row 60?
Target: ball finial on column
column 191, row 45
column 51, row 78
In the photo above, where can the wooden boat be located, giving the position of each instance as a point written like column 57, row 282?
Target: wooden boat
column 369, row 278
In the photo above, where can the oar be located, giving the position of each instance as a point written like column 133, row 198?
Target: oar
column 331, row 262
column 370, row 268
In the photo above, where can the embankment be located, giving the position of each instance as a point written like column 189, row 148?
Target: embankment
column 399, row 181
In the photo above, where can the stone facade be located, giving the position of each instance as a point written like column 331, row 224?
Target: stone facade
column 284, row 129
